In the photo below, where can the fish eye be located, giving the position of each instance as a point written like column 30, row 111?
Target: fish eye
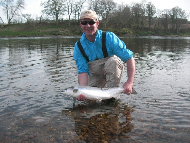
column 75, row 90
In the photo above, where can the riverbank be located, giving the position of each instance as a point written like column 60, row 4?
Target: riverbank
column 51, row 29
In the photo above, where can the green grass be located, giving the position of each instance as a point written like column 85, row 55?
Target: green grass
column 51, row 29
column 24, row 30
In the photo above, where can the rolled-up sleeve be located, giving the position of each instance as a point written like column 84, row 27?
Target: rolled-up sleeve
column 117, row 47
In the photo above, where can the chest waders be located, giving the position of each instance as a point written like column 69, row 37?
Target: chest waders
column 106, row 71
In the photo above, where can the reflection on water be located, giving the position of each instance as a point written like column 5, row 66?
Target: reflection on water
column 34, row 72
column 101, row 123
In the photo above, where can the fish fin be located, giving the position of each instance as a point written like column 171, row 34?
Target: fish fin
column 74, row 101
column 133, row 91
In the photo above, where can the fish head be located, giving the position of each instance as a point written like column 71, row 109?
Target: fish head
column 73, row 92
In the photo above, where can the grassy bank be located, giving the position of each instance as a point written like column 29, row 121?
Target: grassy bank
column 51, row 29
column 24, row 30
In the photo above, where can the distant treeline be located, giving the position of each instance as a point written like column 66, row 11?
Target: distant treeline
column 136, row 17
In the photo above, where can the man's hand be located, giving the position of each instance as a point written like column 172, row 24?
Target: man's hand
column 128, row 88
column 81, row 97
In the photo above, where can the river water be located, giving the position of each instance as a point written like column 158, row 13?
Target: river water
column 34, row 71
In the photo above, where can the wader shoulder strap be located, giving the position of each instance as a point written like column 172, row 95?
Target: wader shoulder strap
column 82, row 51
column 104, row 50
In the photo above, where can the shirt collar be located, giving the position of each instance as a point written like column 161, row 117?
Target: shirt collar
column 84, row 37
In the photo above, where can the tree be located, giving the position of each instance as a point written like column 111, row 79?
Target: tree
column 165, row 19
column 12, row 9
column 27, row 17
column 77, row 8
column 74, row 8
column 103, row 8
column 150, row 10
column 69, row 4
column 1, row 20
column 121, row 18
column 54, row 8
column 177, row 16
column 126, row 17
column 138, row 14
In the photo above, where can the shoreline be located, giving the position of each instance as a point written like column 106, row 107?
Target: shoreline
column 78, row 36
column 49, row 30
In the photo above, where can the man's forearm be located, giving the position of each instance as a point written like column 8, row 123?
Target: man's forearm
column 83, row 79
column 130, row 70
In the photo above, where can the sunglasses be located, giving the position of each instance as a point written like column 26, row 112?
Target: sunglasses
column 89, row 22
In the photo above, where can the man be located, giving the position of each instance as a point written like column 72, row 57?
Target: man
column 101, row 70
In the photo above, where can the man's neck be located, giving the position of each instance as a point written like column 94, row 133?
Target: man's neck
column 91, row 38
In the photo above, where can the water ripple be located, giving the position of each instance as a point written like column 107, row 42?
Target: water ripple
column 34, row 72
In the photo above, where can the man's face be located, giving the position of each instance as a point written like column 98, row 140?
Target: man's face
column 89, row 28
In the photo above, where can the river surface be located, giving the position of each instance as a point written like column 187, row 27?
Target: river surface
column 34, row 71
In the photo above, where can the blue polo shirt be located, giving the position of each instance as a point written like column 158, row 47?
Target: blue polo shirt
column 93, row 50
